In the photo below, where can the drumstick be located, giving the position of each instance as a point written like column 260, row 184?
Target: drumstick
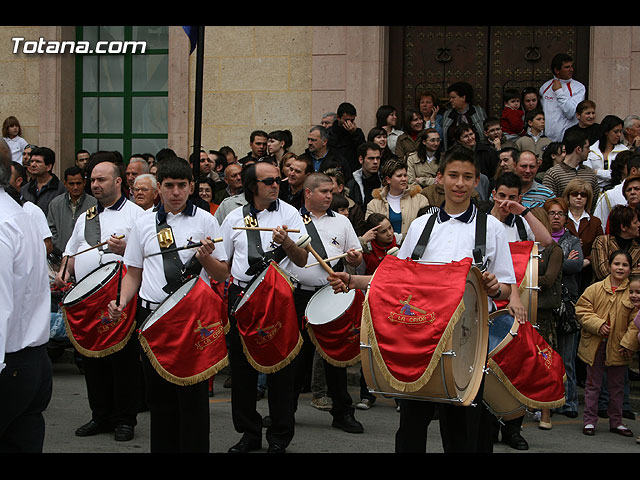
column 119, row 283
column 267, row 229
column 342, row 255
column 324, row 264
column 184, row 247
column 96, row 246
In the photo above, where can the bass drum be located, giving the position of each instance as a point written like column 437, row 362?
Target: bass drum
column 458, row 375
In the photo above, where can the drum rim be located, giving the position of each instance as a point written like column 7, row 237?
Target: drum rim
column 324, row 288
column 95, row 288
column 482, row 345
column 514, row 325
column 190, row 278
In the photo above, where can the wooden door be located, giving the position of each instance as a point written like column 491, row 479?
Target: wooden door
column 430, row 58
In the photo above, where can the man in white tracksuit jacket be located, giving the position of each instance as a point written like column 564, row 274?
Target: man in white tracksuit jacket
column 559, row 97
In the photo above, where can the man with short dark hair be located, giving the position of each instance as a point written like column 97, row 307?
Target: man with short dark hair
column 258, row 143
column 65, row 209
column 560, row 96
column 45, row 185
column 292, row 187
column 82, row 160
column 179, row 414
column 572, row 166
column 319, row 153
column 366, row 179
column 345, row 136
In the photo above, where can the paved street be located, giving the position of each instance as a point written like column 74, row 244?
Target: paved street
column 314, row 434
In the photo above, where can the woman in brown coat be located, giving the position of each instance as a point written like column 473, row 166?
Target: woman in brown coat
column 396, row 200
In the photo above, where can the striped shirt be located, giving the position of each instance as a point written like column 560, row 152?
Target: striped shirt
column 558, row 176
column 536, row 195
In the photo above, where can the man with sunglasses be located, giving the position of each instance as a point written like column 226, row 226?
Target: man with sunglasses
column 249, row 251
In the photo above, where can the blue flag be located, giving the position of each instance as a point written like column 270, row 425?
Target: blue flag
column 192, row 33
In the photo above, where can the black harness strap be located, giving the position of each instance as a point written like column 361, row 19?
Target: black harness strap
column 256, row 256
column 92, row 232
column 175, row 272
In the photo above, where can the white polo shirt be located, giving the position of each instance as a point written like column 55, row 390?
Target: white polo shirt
column 40, row 219
column 25, row 295
column 117, row 219
column 511, row 229
column 235, row 241
column 338, row 237
column 192, row 223
column 453, row 239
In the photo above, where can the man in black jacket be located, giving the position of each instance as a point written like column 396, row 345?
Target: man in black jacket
column 45, row 185
column 345, row 136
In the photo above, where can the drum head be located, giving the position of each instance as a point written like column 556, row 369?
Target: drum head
column 501, row 323
column 469, row 337
column 169, row 302
column 326, row 306
column 90, row 283
column 251, row 288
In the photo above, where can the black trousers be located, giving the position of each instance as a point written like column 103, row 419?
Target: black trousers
column 179, row 414
column 336, row 376
column 280, row 385
column 462, row 429
column 113, row 385
column 25, row 391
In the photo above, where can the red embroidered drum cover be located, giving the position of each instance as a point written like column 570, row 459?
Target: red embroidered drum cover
column 86, row 317
column 267, row 321
column 532, row 370
column 412, row 309
column 184, row 337
column 520, row 254
column 337, row 335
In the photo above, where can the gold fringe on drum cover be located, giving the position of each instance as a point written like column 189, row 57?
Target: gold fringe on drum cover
column 519, row 396
column 92, row 353
column 208, row 373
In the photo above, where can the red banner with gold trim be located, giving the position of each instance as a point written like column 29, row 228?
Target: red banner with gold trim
column 520, row 256
column 268, row 323
column 532, row 370
column 338, row 341
column 87, row 321
column 411, row 308
column 184, row 337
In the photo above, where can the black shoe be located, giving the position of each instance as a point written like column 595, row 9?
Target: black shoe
column 348, row 423
column 276, row 448
column 124, row 433
column 628, row 414
column 91, row 428
column 569, row 413
column 246, row 446
column 603, row 414
column 516, row 441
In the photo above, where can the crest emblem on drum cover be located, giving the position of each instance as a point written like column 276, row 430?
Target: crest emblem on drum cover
column 266, row 334
column 165, row 237
column 105, row 323
column 92, row 212
column 208, row 334
column 547, row 355
column 410, row 314
column 250, row 221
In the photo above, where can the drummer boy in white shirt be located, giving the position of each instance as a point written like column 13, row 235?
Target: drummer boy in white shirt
column 463, row 429
column 189, row 432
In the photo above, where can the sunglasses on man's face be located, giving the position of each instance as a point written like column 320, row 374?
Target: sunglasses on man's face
column 270, row 181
